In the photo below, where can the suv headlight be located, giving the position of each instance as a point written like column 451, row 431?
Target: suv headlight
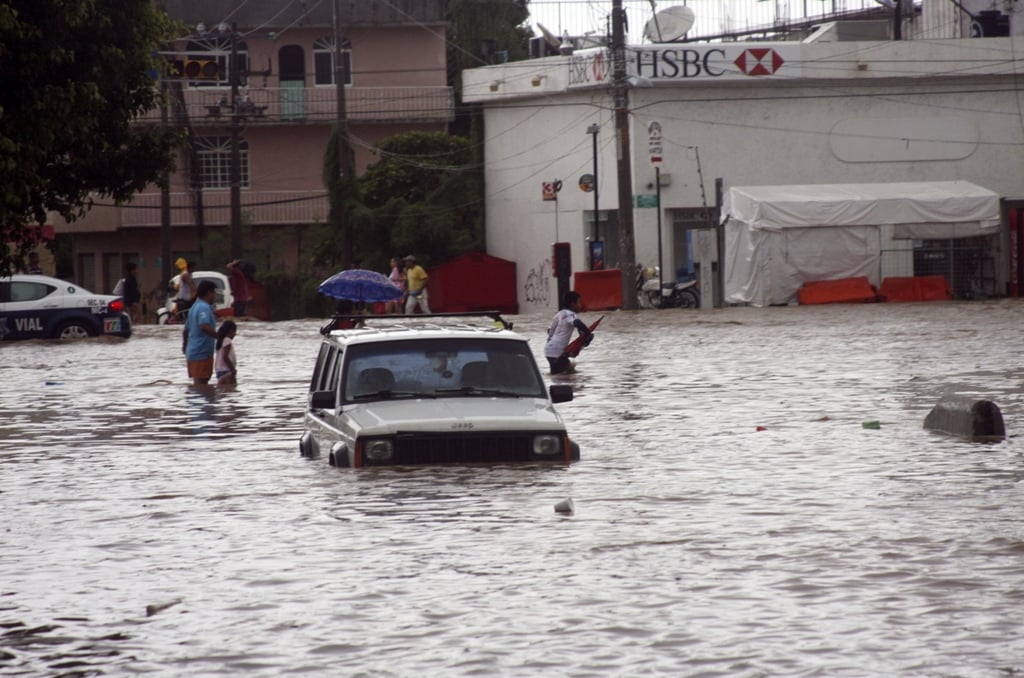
column 378, row 450
column 547, row 445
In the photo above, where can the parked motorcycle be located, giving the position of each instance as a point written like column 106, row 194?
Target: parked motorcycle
column 684, row 293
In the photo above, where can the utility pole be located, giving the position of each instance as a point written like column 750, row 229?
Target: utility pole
column 620, row 89
column 165, row 200
column 236, row 154
column 344, row 170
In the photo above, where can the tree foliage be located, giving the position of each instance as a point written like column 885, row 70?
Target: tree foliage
column 424, row 196
column 334, row 250
column 483, row 32
column 76, row 73
column 487, row 32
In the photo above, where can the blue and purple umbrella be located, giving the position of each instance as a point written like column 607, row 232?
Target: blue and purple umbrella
column 358, row 284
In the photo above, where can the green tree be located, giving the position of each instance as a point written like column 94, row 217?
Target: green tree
column 483, row 32
column 425, row 194
column 347, row 212
column 486, row 32
column 75, row 75
column 425, row 197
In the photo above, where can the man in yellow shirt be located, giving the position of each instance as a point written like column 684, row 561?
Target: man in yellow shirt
column 417, row 279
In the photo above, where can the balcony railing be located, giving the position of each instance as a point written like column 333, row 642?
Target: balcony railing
column 258, row 207
column 287, row 105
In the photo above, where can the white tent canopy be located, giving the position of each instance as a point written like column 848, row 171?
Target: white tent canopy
column 779, row 237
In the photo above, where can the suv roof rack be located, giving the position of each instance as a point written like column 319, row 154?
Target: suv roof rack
column 359, row 320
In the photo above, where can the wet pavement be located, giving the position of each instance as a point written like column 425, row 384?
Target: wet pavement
column 733, row 516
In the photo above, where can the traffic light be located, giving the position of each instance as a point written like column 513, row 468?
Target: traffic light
column 193, row 69
column 201, row 69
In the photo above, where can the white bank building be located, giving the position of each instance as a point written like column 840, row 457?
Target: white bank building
column 777, row 162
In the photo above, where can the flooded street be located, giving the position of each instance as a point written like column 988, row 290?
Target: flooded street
column 733, row 515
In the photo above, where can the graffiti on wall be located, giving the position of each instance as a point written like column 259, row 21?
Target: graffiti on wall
column 537, row 284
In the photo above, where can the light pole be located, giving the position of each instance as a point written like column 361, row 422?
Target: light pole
column 593, row 131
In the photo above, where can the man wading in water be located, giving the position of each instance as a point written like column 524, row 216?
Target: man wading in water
column 560, row 332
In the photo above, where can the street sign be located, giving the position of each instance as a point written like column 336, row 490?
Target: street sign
column 654, row 142
column 549, row 189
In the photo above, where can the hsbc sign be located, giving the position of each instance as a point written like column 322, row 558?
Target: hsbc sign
column 661, row 63
column 590, row 67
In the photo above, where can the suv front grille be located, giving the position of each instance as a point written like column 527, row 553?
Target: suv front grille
column 466, row 448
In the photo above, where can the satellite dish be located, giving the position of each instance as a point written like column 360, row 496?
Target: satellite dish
column 549, row 37
column 669, row 24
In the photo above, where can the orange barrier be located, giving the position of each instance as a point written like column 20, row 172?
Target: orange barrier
column 919, row 288
column 599, row 289
column 845, row 291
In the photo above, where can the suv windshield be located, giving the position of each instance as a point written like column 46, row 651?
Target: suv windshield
column 440, row 368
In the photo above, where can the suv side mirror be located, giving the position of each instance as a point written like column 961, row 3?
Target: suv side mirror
column 322, row 400
column 560, row 393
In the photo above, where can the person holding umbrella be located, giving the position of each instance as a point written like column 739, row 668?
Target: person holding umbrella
column 417, row 283
column 355, row 286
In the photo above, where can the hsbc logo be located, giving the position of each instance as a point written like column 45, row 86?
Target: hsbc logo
column 599, row 67
column 588, row 68
column 660, row 63
column 760, row 61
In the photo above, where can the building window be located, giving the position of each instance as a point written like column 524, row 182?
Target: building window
column 217, row 48
column 87, row 271
column 214, row 155
column 323, row 61
column 111, row 272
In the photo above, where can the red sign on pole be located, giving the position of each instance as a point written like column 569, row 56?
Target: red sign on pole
column 549, row 189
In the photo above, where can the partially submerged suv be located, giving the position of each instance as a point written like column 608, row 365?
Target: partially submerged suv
column 417, row 390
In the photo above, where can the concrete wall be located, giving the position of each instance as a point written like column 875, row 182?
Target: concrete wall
column 845, row 113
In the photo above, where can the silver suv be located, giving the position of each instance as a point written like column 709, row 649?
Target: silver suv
column 419, row 390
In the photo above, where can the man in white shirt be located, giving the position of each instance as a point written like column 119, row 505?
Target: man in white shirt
column 560, row 332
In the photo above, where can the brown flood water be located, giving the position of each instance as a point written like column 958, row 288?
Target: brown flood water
column 152, row 529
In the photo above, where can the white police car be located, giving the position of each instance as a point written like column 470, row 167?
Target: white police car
column 41, row 307
column 423, row 390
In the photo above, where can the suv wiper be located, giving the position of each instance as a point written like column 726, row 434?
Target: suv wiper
column 388, row 394
column 475, row 390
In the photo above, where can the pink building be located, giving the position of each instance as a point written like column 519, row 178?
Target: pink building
column 283, row 104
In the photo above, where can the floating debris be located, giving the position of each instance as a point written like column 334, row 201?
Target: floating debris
column 565, row 506
column 975, row 419
column 160, row 607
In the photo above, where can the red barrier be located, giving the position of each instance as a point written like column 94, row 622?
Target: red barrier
column 475, row 281
column 845, row 291
column 920, row 288
column 599, row 289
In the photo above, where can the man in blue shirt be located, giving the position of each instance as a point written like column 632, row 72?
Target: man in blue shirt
column 200, row 335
